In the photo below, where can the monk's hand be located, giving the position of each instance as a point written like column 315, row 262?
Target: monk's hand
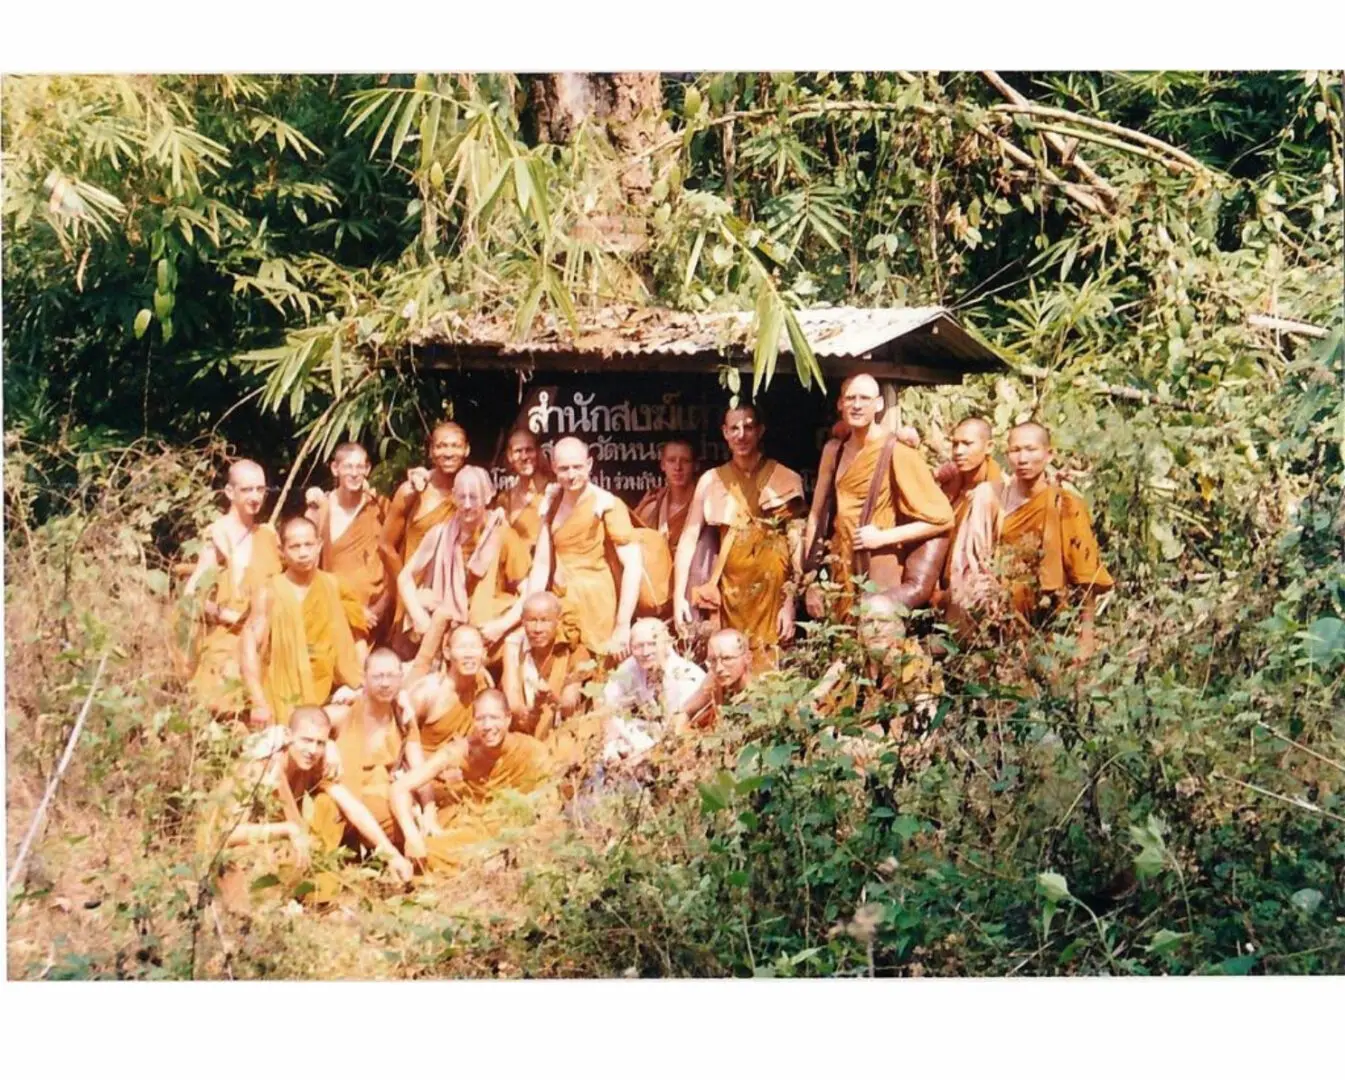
column 868, row 537
column 814, row 602
column 945, row 473
column 493, row 631
column 1086, row 645
column 418, row 477
column 261, row 716
column 619, row 643
column 314, row 497
column 401, row 866
column 344, row 695
column 908, row 435
column 421, row 622
column 784, row 624
column 370, row 618
column 415, row 847
column 303, row 850
column 406, row 712
column 681, row 612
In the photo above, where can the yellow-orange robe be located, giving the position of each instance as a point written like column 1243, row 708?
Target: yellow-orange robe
column 751, row 513
column 464, row 812
column 583, row 579
column 911, row 494
column 354, row 558
column 455, row 721
column 527, row 519
column 564, row 666
column 653, row 513
column 418, row 522
column 310, row 647
column 494, row 592
column 1051, row 532
column 367, row 772
column 217, row 679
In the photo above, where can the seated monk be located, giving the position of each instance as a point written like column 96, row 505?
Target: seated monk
column 665, row 509
column 350, row 526
column 470, row 566
column 297, row 644
column 729, row 658
column 442, row 700
column 422, row 501
column 244, row 552
column 465, row 775
column 287, row 764
column 376, row 737
column 544, row 672
column 755, row 505
column 522, row 502
column 579, row 521
column 1041, row 537
column 648, row 689
column 881, row 518
column 971, row 465
column 893, row 678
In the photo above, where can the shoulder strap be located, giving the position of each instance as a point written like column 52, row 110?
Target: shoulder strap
column 876, row 484
column 837, row 446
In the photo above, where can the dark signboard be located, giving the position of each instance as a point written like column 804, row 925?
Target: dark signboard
column 625, row 419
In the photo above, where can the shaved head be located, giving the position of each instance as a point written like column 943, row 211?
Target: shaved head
column 1033, row 429
column 463, row 631
column 449, row 426
column 569, row 449
column 245, row 469
column 313, row 716
column 542, row 603
column 297, row 522
column 977, row 426
column 383, row 655
column 490, row 697
column 864, row 384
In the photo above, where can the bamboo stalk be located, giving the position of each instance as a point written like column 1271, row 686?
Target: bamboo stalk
column 1068, row 155
column 1117, row 144
column 27, row 844
column 1287, row 326
column 1051, row 113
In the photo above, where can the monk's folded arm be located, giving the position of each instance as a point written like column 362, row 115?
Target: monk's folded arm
column 263, row 833
column 539, row 577
column 511, row 682
column 205, row 562
column 691, row 534
column 406, row 589
column 394, row 530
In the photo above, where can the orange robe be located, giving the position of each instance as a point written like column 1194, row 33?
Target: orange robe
column 494, row 591
column 354, row 558
column 310, row 646
column 653, row 513
column 464, row 812
column 217, row 679
column 751, row 513
column 564, row 666
column 418, row 523
column 454, row 722
column 583, row 579
column 1052, row 534
column 366, row 771
column 911, row 494
column 526, row 520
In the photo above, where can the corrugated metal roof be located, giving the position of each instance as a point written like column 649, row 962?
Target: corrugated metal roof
column 833, row 332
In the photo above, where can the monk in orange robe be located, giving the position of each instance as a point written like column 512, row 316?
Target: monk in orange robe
column 544, row 671
column 471, row 566
column 466, row 775
column 757, row 505
column 665, row 509
column 728, row 659
column 297, row 644
column 971, row 465
column 350, row 526
column 1040, row 536
column 242, row 552
column 909, row 507
column 442, row 700
column 522, row 501
column 580, row 520
column 424, row 500
column 376, row 737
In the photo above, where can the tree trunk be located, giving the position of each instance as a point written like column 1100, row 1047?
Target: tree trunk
column 627, row 107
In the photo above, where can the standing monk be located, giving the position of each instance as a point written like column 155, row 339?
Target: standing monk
column 665, row 509
column 470, row 567
column 579, row 521
column 423, row 501
column 350, row 526
column 904, row 504
column 522, row 502
column 1042, row 532
column 245, row 552
column 970, row 466
column 297, row 643
column 756, row 504
column 544, row 671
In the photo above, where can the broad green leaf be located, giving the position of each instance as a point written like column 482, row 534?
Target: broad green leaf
column 1307, row 900
column 266, row 881
column 1053, row 886
column 142, row 321
column 1325, row 641
column 1164, row 941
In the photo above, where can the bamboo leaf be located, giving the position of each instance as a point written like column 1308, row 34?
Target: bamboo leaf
column 409, row 112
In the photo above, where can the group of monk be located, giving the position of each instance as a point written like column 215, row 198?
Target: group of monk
column 403, row 661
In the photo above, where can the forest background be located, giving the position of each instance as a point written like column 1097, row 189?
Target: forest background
column 248, row 257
